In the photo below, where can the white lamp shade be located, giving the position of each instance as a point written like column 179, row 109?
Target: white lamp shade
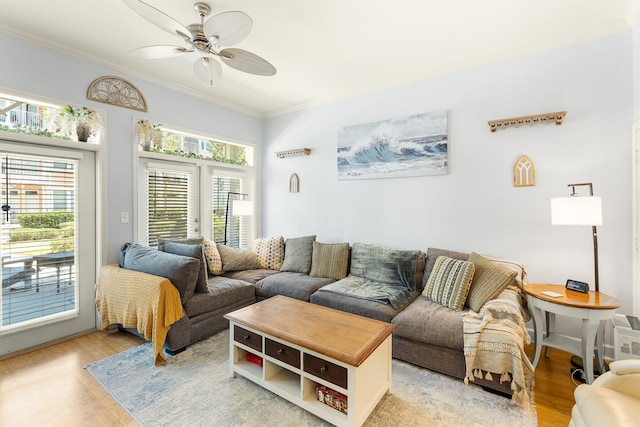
column 242, row 207
column 576, row 210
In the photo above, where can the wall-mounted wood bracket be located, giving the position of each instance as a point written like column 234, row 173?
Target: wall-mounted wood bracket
column 293, row 153
column 516, row 122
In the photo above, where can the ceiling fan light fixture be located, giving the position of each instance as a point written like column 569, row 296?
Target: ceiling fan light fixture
column 206, row 37
column 208, row 71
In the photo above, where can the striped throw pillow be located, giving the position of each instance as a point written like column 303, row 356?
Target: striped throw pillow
column 330, row 260
column 449, row 282
column 489, row 281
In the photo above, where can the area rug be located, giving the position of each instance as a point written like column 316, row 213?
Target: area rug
column 194, row 388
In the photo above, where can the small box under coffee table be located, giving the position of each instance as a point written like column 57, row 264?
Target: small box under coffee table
column 303, row 346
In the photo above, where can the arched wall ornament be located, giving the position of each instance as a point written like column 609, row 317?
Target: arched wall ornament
column 116, row 91
column 524, row 173
column 294, row 184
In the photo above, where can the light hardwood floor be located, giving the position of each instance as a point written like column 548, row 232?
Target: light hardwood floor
column 49, row 387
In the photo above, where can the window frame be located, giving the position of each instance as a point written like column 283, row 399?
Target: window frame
column 205, row 169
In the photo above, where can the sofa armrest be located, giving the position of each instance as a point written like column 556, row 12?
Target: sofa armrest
column 623, row 367
column 138, row 300
column 623, row 377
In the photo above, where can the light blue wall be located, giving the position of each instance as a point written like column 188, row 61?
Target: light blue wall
column 476, row 207
column 43, row 72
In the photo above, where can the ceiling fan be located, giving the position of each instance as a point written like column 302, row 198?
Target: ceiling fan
column 207, row 39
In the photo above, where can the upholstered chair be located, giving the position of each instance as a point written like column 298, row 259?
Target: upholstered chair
column 613, row 399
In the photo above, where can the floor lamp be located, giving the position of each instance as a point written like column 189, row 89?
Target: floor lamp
column 575, row 210
column 239, row 207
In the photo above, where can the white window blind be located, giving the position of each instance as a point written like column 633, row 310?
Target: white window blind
column 170, row 204
column 222, row 186
column 39, row 225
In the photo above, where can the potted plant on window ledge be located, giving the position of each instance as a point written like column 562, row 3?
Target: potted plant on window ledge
column 84, row 120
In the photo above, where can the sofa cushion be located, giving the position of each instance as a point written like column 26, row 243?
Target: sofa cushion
column 185, row 240
column 251, row 276
column 294, row 285
column 237, row 259
column 297, row 254
column 426, row 321
column 270, row 252
column 214, row 261
column 361, row 307
column 194, row 251
column 182, row 271
column 222, row 291
column 432, row 256
column 330, row 260
column 489, row 280
column 449, row 282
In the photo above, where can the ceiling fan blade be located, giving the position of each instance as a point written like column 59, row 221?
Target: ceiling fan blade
column 158, row 18
column 246, row 61
column 156, row 52
column 230, row 27
column 208, row 71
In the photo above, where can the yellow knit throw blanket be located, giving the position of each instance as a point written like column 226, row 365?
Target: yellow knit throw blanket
column 494, row 341
column 138, row 300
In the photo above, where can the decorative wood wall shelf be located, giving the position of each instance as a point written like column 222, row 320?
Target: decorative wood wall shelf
column 516, row 122
column 293, row 153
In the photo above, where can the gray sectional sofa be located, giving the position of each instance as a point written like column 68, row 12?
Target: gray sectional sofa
column 369, row 280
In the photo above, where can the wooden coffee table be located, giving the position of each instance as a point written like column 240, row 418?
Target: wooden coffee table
column 296, row 346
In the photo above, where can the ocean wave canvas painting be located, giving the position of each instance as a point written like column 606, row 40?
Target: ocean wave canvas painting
column 408, row 146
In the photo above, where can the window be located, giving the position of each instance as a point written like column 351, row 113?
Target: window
column 222, row 198
column 170, row 203
column 153, row 137
column 176, row 192
column 26, row 116
column 38, row 240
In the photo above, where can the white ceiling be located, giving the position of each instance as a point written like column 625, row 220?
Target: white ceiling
column 323, row 50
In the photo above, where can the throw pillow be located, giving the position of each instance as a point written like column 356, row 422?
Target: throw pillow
column 489, row 281
column 270, row 252
column 186, row 240
column 123, row 250
column 449, row 282
column 432, row 256
column 182, row 271
column 330, row 260
column 237, row 259
column 297, row 254
column 214, row 262
column 194, row 251
column 513, row 265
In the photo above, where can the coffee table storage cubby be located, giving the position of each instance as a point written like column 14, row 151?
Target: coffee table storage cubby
column 303, row 345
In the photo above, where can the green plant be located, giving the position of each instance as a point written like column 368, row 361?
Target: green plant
column 62, row 245
column 45, row 219
column 25, row 234
column 29, row 130
column 83, row 119
column 81, row 114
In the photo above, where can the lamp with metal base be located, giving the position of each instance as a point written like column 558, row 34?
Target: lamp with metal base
column 240, row 208
column 575, row 210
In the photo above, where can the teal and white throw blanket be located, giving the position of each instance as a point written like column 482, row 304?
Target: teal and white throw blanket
column 380, row 274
